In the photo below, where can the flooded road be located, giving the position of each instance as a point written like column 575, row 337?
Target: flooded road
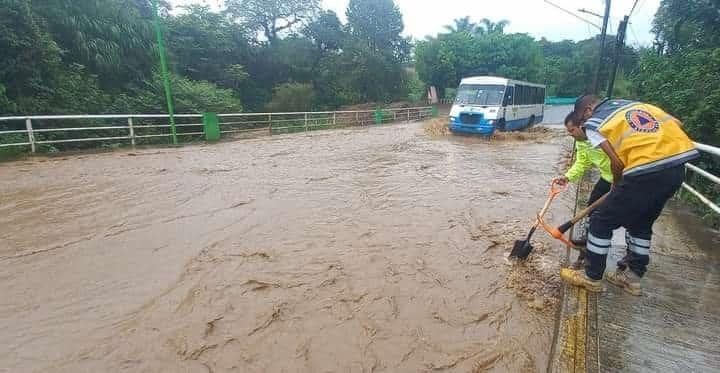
column 360, row 250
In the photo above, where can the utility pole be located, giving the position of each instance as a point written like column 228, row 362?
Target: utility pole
column 603, row 34
column 164, row 70
column 619, row 44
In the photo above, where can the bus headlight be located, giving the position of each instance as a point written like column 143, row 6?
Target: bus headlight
column 491, row 121
column 452, row 119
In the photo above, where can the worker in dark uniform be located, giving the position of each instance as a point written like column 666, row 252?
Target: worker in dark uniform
column 648, row 151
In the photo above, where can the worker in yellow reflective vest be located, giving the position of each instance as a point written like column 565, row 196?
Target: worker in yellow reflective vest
column 648, row 151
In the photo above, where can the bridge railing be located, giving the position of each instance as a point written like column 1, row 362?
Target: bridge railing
column 34, row 132
column 713, row 151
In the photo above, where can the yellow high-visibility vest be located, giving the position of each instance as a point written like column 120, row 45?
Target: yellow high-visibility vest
column 645, row 138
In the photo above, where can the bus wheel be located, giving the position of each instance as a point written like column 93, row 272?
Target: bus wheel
column 532, row 121
column 501, row 125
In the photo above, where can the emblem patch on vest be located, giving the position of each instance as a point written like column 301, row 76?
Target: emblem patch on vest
column 642, row 121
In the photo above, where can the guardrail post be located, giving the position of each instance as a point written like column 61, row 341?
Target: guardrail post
column 270, row 123
column 306, row 122
column 378, row 116
column 31, row 136
column 132, row 131
column 334, row 119
column 357, row 119
column 408, row 115
column 211, row 126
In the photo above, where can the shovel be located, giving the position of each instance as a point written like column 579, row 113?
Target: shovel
column 522, row 248
column 558, row 233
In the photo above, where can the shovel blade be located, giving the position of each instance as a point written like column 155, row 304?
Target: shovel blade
column 521, row 249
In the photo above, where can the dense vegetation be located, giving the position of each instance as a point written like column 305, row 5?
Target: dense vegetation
column 682, row 74
column 99, row 56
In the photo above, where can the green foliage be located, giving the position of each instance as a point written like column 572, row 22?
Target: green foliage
column 377, row 24
column 109, row 38
column 445, row 60
column 687, row 24
column 272, row 17
column 189, row 96
column 326, row 32
column 682, row 75
column 414, row 86
column 485, row 26
column 292, row 97
column 6, row 106
column 375, row 50
column 203, row 45
column 687, row 85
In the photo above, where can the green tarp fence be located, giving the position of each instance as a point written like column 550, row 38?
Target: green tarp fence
column 554, row 100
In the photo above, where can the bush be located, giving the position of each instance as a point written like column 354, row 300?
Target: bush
column 414, row 87
column 189, row 96
column 288, row 97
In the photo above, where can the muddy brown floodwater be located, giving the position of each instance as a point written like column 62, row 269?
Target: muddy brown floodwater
column 360, row 250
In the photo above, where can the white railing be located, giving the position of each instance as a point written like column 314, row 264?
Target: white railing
column 693, row 168
column 34, row 131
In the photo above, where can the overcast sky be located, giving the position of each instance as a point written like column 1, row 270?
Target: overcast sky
column 535, row 17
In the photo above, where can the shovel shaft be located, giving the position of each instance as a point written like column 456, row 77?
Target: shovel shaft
column 585, row 212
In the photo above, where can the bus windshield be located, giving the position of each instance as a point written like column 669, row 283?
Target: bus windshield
column 480, row 94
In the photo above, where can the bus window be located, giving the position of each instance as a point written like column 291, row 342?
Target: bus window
column 480, row 94
column 519, row 95
column 509, row 95
column 527, row 95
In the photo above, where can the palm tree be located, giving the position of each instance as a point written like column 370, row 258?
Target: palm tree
column 462, row 25
column 491, row 27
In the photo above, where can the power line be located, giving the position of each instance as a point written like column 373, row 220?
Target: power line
column 633, row 8
column 573, row 14
column 590, row 12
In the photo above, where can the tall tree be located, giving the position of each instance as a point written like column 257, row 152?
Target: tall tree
column 378, row 24
column 681, row 24
column 377, row 49
column 326, row 32
column 273, row 17
column 205, row 45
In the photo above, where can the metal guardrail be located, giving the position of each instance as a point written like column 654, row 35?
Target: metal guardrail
column 64, row 129
column 715, row 179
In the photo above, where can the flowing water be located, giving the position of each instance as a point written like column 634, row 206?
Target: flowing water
column 360, row 250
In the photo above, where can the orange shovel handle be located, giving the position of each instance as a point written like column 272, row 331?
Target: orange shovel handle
column 555, row 233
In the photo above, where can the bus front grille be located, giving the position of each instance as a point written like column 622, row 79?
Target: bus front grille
column 467, row 118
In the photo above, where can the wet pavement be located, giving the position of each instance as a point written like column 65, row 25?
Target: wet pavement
column 358, row 250
column 673, row 327
column 555, row 114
